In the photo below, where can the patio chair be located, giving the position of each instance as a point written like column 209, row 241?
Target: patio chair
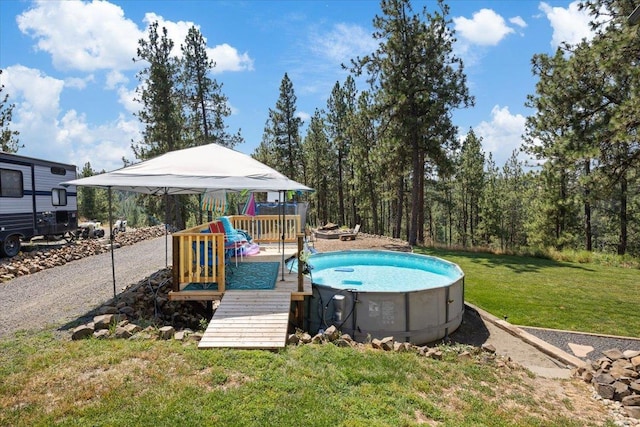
column 233, row 234
column 350, row 235
column 234, row 241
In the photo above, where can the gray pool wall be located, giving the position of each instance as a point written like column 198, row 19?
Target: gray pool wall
column 419, row 317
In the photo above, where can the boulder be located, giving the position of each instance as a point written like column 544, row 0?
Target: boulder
column 101, row 334
column 82, row 332
column 166, row 332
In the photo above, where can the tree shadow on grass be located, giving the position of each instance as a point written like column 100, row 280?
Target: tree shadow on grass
column 517, row 264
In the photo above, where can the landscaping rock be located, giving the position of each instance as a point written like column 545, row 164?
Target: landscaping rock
column 613, row 354
column 122, row 332
column 633, row 400
column 387, row 343
column 101, row 334
column 104, row 321
column 166, row 332
column 489, row 348
column 331, row 333
column 82, row 332
column 615, row 379
column 293, row 339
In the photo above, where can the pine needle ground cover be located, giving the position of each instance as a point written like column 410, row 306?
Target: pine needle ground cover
column 545, row 293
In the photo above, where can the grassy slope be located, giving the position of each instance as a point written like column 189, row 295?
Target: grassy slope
column 546, row 293
column 46, row 381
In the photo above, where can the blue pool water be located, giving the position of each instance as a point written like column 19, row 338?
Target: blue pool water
column 381, row 271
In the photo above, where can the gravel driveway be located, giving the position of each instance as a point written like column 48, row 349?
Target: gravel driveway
column 63, row 294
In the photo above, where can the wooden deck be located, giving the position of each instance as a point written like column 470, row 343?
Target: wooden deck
column 269, row 253
column 250, row 320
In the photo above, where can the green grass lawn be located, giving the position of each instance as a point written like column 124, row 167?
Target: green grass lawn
column 551, row 294
column 45, row 380
column 48, row 381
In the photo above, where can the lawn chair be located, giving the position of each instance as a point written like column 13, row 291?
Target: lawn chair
column 234, row 241
column 350, row 235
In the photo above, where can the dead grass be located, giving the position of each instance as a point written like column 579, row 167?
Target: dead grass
column 153, row 382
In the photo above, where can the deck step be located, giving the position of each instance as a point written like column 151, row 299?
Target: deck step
column 249, row 319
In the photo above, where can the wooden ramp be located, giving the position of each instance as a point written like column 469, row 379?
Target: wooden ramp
column 249, row 319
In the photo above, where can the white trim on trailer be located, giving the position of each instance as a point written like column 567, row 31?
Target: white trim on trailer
column 32, row 200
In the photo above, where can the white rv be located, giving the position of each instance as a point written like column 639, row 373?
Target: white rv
column 32, row 201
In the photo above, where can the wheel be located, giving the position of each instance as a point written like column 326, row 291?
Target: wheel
column 10, row 246
column 70, row 236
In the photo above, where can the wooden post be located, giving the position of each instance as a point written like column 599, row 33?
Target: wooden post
column 300, row 304
column 175, row 269
column 300, row 276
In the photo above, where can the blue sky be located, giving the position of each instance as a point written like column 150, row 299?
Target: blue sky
column 68, row 65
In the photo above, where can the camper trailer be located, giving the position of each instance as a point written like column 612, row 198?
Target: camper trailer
column 32, row 201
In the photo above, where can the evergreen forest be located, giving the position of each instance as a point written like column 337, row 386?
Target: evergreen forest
column 384, row 153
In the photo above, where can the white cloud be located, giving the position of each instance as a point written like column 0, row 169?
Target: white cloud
column 486, row 28
column 66, row 136
column 85, row 36
column 126, row 98
column 107, row 145
column 77, row 82
column 176, row 31
column 115, row 78
column 305, row 117
column 39, row 95
column 517, row 20
column 503, row 134
column 343, row 43
column 569, row 25
column 227, row 58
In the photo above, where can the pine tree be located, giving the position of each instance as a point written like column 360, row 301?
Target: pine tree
column 417, row 81
column 9, row 142
column 161, row 113
column 207, row 107
column 470, row 185
column 285, row 133
column 321, row 174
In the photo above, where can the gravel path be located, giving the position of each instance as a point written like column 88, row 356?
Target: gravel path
column 63, row 294
column 600, row 343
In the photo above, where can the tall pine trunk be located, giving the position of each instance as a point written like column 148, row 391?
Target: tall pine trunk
column 588, row 235
column 415, row 193
column 397, row 224
column 622, row 242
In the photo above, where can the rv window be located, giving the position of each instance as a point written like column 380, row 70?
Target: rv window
column 11, row 183
column 59, row 197
column 58, row 170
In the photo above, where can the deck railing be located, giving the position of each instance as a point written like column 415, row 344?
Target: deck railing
column 198, row 258
column 193, row 264
column 266, row 228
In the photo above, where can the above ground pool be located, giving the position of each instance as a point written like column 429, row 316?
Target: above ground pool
column 375, row 294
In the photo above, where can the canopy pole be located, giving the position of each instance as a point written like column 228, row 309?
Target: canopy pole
column 113, row 264
column 281, row 196
column 166, row 227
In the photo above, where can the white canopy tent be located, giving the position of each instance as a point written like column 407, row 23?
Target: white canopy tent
column 194, row 170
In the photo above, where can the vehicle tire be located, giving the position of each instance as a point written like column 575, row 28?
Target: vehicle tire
column 10, row 246
column 71, row 236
